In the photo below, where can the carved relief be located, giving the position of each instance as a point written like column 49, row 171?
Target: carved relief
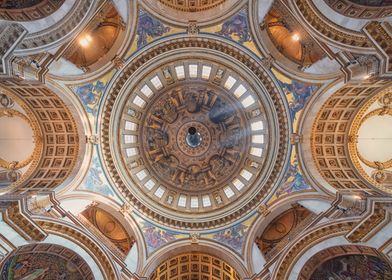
column 133, row 156
column 222, row 129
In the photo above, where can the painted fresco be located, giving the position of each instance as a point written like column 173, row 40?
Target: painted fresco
column 156, row 236
column 149, row 29
column 293, row 181
column 95, row 180
column 237, row 29
column 234, row 236
column 297, row 94
column 40, row 266
column 90, row 94
column 353, row 267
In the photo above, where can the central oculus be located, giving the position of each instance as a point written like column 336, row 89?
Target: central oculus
column 193, row 138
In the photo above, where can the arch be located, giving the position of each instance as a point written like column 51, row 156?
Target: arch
column 108, row 228
column 360, row 261
column 19, row 146
column 61, row 229
column 205, row 13
column 259, row 14
column 99, row 41
column 58, row 136
column 290, row 38
column 327, row 30
column 194, row 265
column 43, row 37
column 203, row 246
column 362, row 9
column 330, row 135
column 278, row 231
column 317, row 235
column 28, row 10
column 44, row 260
column 78, row 201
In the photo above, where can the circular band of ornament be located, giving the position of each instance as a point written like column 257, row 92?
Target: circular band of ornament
column 127, row 110
column 200, row 12
column 384, row 100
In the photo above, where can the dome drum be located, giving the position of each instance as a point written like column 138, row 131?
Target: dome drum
column 234, row 120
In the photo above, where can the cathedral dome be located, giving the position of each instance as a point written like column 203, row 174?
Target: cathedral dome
column 193, row 136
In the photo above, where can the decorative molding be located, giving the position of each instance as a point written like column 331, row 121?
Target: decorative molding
column 76, row 235
column 60, row 140
column 377, row 216
column 380, row 34
column 17, row 218
column 209, row 44
column 11, row 34
column 330, row 136
column 291, row 256
column 192, row 5
column 350, row 9
column 24, row 11
column 328, row 28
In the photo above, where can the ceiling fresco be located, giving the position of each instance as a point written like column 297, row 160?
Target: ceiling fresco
column 198, row 139
column 355, row 267
column 45, row 262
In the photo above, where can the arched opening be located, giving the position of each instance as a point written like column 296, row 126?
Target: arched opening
column 93, row 47
column 108, row 229
column 19, row 141
column 341, row 139
column 55, row 142
column 290, row 38
column 195, row 265
column 282, row 229
column 347, row 262
column 45, row 261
